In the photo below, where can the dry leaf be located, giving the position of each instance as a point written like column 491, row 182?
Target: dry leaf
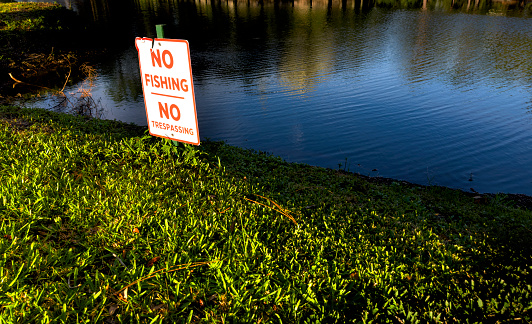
column 12, row 77
column 112, row 309
column 123, row 295
column 154, row 308
column 152, row 261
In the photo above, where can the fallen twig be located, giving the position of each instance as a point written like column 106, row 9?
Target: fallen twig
column 72, row 287
column 68, row 76
column 279, row 208
column 121, row 262
column 162, row 271
column 30, row 84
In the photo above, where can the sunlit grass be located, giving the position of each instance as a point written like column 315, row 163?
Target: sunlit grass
column 99, row 222
column 26, row 16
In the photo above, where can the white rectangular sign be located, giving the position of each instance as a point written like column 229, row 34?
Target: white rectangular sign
column 168, row 89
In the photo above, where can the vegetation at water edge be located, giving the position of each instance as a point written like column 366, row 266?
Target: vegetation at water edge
column 102, row 223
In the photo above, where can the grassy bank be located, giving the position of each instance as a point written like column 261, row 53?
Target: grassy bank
column 100, row 223
column 42, row 44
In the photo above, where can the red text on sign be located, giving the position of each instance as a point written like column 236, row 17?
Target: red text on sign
column 167, row 58
column 174, row 111
column 157, row 81
column 177, row 129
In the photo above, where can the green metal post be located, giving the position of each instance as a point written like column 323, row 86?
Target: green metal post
column 160, row 34
column 160, row 30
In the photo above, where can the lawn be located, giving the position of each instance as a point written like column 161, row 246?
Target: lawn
column 103, row 223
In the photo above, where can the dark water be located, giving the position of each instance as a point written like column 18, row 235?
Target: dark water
column 429, row 96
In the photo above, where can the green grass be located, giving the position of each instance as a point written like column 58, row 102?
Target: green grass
column 34, row 26
column 220, row 234
column 32, row 16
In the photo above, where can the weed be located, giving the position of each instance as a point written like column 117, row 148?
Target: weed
column 430, row 177
column 80, row 101
column 77, row 102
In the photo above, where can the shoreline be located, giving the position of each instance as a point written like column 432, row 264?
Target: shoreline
column 517, row 200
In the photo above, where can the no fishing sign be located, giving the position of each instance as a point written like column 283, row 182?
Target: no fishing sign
column 168, row 90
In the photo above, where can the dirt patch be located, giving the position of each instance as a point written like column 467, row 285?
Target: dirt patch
column 516, row 200
column 16, row 124
column 520, row 201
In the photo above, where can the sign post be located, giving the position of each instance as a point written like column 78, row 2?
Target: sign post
column 166, row 75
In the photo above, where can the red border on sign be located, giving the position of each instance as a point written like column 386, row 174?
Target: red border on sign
column 191, row 86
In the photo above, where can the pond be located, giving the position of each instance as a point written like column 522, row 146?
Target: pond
column 434, row 96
